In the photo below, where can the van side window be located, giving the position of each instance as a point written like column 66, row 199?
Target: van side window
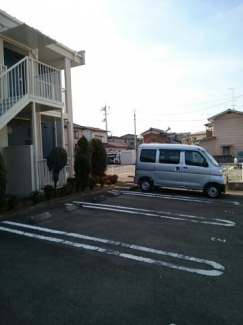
column 169, row 156
column 194, row 158
column 148, row 155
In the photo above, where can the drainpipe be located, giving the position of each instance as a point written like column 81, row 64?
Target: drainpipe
column 68, row 98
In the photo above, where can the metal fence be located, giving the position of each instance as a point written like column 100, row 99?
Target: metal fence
column 125, row 173
column 45, row 177
column 234, row 172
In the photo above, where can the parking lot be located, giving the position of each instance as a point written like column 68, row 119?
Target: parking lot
column 165, row 257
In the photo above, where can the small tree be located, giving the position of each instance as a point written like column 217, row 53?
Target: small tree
column 98, row 157
column 56, row 161
column 83, row 146
column 3, row 179
column 82, row 164
column 82, row 171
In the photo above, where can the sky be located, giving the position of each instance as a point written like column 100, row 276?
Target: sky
column 152, row 63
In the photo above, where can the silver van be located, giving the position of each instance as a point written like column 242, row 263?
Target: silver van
column 179, row 166
column 238, row 157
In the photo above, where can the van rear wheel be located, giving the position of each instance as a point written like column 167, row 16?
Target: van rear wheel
column 146, row 185
column 212, row 190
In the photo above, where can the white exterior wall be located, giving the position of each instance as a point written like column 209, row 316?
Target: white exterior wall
column 128, row 157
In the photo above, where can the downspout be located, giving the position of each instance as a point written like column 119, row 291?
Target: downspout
column 69, row 108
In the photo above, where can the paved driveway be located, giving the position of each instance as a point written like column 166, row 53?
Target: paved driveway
column 160, row 258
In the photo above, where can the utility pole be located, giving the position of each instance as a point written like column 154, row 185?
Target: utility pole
column 135, row 133
column 233, row 99
column 105, row 118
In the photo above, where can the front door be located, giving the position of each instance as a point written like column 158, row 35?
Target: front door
column 16, row 79
column 195, row 170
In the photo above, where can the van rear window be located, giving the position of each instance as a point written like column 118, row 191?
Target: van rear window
column 169, row 156
column 148, row 155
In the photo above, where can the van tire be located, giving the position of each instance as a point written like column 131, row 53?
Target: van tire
column 146, row 184
column 212, row 190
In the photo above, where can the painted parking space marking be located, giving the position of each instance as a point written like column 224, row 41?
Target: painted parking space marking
column 156, row 214
column 175, row 197
column 218, row 239
column 217, row 269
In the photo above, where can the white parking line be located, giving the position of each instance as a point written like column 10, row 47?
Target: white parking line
column 174, row 197
column 216, row 271
column 157, row 214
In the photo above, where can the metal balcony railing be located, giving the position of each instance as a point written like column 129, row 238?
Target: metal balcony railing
column 28, row 77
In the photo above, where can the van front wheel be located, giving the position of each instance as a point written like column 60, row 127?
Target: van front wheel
column 145, row 184
column 212, row 190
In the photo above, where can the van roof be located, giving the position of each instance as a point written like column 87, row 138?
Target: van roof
column 170, row 146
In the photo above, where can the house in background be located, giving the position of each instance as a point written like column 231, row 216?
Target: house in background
column 89, row 133
column 130, row 141
column 193, row 138
column 127, row 140
column 114, row 147
column 35, row 103
column 225, row 135
column 196, row 137
column 154, row 135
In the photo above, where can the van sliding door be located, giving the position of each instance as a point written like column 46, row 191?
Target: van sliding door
column 168, row 168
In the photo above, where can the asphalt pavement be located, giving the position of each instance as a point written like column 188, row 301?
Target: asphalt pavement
column 119, row 256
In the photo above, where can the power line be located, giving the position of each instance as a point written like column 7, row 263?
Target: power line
column 187, row 120
column 199, row 110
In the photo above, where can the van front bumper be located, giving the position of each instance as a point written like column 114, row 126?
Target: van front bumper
column 223, row 187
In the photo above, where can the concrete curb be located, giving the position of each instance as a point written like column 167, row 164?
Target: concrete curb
column 40, row 217
column 99, row 199
column 69, row 207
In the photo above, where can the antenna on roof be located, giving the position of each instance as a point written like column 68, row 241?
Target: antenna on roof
column 233, row 99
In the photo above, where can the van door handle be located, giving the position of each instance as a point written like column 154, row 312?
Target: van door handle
column 177, row 169
column 184, row 167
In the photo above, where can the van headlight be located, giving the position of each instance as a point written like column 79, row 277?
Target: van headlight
column 221, row 172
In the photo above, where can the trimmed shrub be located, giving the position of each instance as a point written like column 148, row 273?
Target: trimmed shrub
column 92, row 182
column 56, row 161
column 66, row 190
column 82, row 146
column 71, row 181
column 98, row 157
column 103, row 180
column 13, row 202
column 82, row 171
column 49, row 192
column 36, row 197
column 113, row 179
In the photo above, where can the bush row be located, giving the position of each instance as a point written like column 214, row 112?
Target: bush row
column 69, row 188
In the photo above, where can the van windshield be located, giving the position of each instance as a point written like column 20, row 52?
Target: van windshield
column 211, row 159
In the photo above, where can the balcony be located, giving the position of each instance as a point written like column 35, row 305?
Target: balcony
column 26, row 81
